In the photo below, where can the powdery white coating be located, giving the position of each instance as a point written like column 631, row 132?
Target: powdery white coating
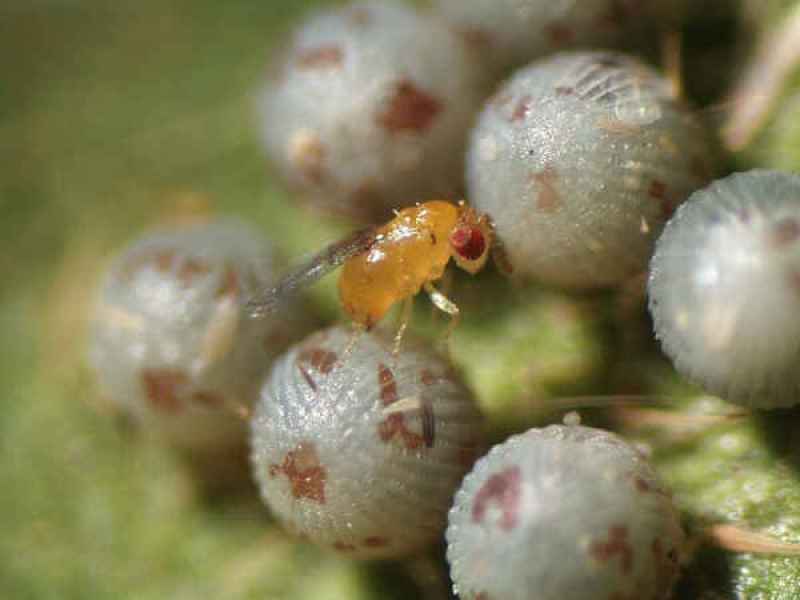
column 579, row 159
column 725, row 288
column 361, row 451
column 371, row 108
column 513, row 32
column 563, row 512
column 170, row 342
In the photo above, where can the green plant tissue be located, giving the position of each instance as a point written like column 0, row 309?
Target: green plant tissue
column 115, row 117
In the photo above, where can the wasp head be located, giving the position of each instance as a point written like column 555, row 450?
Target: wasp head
column 471, row 239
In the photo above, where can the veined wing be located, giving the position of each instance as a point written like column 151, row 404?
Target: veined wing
column 318, row 266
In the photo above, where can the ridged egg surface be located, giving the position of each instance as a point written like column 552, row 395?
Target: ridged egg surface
column 579, row 159
column 369, row 109
column 513, row 32
column 360, row 450
column 170, row 342
column 725, row 288
column 563, row 512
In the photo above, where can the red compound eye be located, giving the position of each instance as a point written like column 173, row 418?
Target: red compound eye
column 469, row 242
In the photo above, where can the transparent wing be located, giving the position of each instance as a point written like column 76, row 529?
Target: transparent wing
column 319, row 265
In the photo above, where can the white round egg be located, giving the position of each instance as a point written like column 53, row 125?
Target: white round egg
column 171, row 343
column 724, row 288
column 361, row 450
column 579, row 159
column 369, row 108
column 563, row 512
column 513, row 32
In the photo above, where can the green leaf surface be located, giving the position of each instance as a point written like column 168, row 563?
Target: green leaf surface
column 117, row 116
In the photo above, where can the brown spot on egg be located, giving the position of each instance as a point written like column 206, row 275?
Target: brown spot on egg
column 394, row 426
column 548, row 198
column 387, row 385
column 159, row 260
column 162, row 388
column 163, row 260
column 305, row 473
column 321, row 57
column 318, row 358
column 427, row 377
column 409, row 109
column 616, row 545
column 191, row 268
column 502, row 489
column 521, row 108
column 784, row 233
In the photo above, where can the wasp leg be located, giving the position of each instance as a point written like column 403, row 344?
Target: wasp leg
column 405, row 318
column 444, row 304
column 446, row 283
column 358, row 330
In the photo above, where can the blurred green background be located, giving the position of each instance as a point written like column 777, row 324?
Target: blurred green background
column 115, row 117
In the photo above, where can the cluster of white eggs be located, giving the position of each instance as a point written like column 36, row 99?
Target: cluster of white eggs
column 579, row 159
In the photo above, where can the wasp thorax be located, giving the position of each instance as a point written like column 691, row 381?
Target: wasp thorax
column 360, row 449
